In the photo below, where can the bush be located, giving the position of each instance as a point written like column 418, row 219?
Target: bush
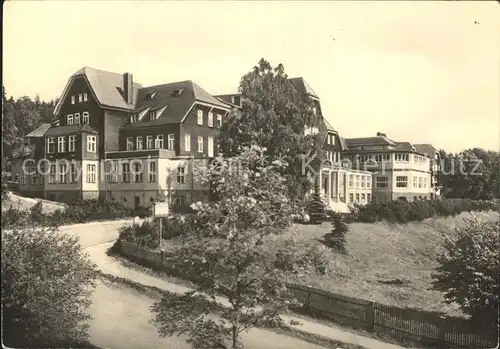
column 143, row 212
column 46, row 287
column 468, row 271
column 316, row 207
column 402, row 211
column 336, row 238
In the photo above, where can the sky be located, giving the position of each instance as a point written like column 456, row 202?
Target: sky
column 423, row 72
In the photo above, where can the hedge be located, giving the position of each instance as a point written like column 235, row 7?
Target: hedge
column 401, row 211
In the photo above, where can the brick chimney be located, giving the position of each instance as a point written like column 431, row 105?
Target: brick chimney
column 128, row 88
column 380, row 134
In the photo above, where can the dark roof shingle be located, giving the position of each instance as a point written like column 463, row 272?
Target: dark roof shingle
column 69, row 129
column 39, row 131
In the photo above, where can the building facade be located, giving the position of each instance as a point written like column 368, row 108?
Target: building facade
column 400, row 170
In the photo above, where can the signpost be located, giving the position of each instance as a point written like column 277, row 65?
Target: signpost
column 160, row 209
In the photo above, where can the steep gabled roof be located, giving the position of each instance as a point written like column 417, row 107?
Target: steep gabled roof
column 69, row 129
column 405, row 146
column 329, row 127
column 303, row 87
column 107, row 87
column 39, row 131
column 176, row 98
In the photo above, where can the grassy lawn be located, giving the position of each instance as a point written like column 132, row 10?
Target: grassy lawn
column 378, row 253
column 24, row 204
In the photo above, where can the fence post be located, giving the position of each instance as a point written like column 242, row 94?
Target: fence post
column 308, row 299
column 370, row 316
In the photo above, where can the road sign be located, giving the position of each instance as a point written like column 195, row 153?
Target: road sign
column 160, row 209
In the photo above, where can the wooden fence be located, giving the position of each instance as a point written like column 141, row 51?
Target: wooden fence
column 402, row 324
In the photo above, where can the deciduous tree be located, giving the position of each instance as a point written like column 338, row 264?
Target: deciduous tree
column 235, row 251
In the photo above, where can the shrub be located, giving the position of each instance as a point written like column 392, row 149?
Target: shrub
column 403, row 211
column 468, row 271
column 336, row 238
column 316, row 207
column 143, row 212
column 46, row 288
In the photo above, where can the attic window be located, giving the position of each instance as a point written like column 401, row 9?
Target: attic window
column 177, row 93
column 152, row 115
column 236, row 100
column 133, row 118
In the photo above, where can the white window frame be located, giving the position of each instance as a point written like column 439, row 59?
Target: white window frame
column 51, row 141
column 112, row 170
column 130, row 143
column 85, row 117
column 63, row 171
column 138, row 173
column 139, row 144
column 200, row 144
column 52, row 174
column 77, row 119
column 171, row 141
column 69, row 119
column 85, row 97
column 73, row 99
column 219, row 120
column 210, row 147
column 91, row 144
column 73, row 174
column 61, row 144
column 91, row 173
column 187, row 142
column 181, row 175
column 159, row 144
column 152, row 171
column 125, row 171
column 401, row 181
column 210, row 119
column 149, row 142
column 80, row 97
column 382, row 182
column 72, row 143
column 200, row 117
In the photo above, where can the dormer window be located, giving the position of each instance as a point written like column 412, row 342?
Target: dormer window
column 80, row 97
column 133, row 118
column 85, row 97
column 177, row 92
column 150, row 95
column 73, row 99
column 236, row 100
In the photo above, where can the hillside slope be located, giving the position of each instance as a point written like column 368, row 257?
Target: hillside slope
column 24, row 203
column 380, row 253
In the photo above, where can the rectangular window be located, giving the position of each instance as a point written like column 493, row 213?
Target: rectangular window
column 85, row 117
column 363, row 199
column 112, row 170
column 42, row 174
column 138, row 143
column 420, row 182
column 181, row 175
column 77, row 118
column 362, row 181
column 70, row 119
column 382, row 182
column 425, row 182
column 187, row 142
column 210, row 147
column 52, row 174
column 130, row 143
column 125, row 173
column 351, row 181
column 357, row 197
column 219, row 120
column 402, row 181
column 152, row 172
column 210, row 119
column 415, row 181
column 149, row 142
column 85, row 97
column 73, row 99
column 34, row 177
column 200, row 144
column 171, row 141
column 80, row 97
column 62, row 173
column 138, row 173
column 73, row 175
column 91, row 144
column 61, row 144
column 24, row 179
column 351, row 197
column 357, row 181
column 159, row 142
column 91, row 175
column 368, row 198
column 51, row 145
column 72, row 143
column 368, row 181
column 200, row 117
